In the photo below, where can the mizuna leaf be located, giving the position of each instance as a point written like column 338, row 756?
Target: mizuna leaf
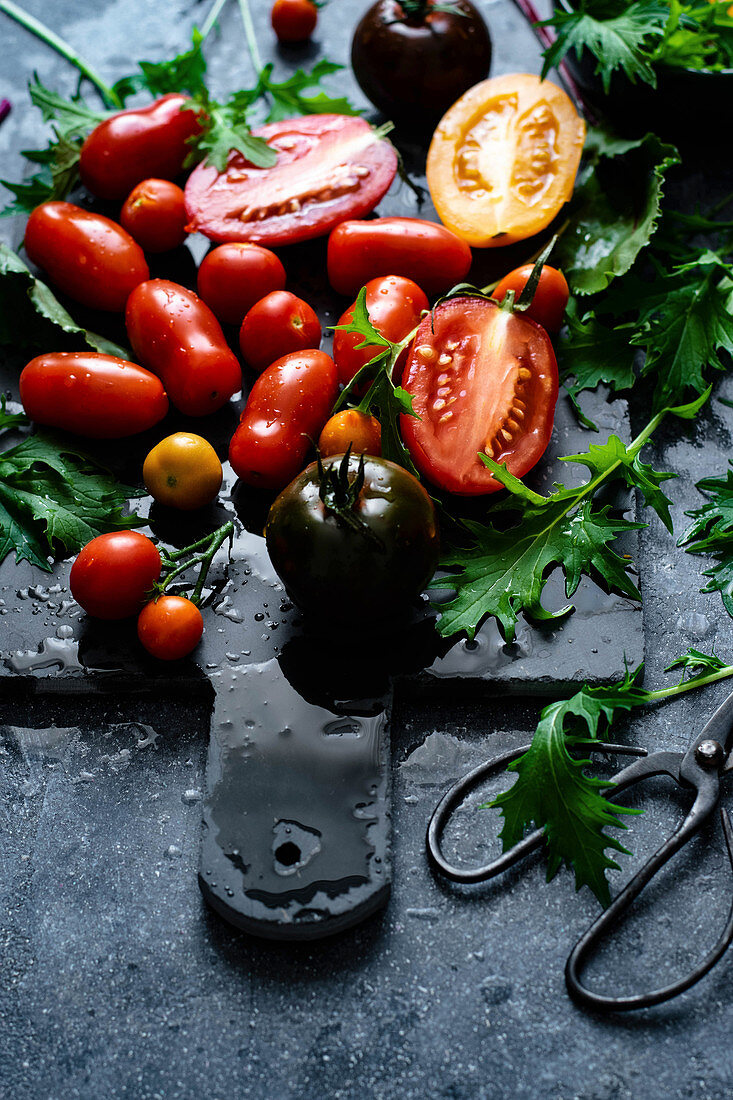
column 616, row 43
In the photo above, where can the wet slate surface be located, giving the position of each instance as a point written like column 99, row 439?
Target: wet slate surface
column 117, row 980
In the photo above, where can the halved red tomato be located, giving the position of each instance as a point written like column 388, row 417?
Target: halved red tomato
column 329, row 167
column 482, row 379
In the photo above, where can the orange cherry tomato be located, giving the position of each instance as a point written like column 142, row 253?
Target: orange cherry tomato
column 170, row 627
column 503, row 159
column 395, row 306
column 351, row 428
column 550, row 298
column 154, row 214
column 183, row 471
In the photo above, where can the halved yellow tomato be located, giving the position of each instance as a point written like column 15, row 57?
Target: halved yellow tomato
column 503, row 160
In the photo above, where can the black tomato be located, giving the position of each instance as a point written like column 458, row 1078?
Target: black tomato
column 355, row 542
column 414, row 62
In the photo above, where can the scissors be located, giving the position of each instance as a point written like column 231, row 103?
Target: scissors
column 699, row 771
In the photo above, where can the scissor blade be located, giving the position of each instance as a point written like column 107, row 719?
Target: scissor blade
column 719, row 728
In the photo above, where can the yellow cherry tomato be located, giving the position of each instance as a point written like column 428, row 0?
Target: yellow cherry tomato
column 503, row 159
column 350, row 426
column 183, row 471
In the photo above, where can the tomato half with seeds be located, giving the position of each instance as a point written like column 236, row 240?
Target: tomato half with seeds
column 395, row 306
column 503, row 159
column 329, row 167
column 482, row 379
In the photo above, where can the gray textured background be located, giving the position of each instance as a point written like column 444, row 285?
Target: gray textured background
column 115, row 979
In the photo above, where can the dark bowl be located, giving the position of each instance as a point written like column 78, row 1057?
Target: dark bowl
column 688, row 106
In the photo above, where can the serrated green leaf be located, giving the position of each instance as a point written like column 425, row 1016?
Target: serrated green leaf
column 618, row 43
column 711, row 532
column 183, row 73
column 590, row 354
column 287, row 99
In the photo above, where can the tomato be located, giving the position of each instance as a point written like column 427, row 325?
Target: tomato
column 233, row 277
column 183, row 471
column 424, row 251
column 279, row 323
column 414, row 64
column 329, row 167
column 138, row 144
column 90, row 394
column 395, row 306
column 88, row 256
column 293, row 20
column 170, row 627
column 503, row 159
column 366, row 568
column 351, row 428
column 154, row 214
column 177, row 337
column 482, row 379
column 286, row 409
column 114, row 573
column 550, row 298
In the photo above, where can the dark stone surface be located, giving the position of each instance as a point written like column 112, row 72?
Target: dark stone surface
column 116, row 980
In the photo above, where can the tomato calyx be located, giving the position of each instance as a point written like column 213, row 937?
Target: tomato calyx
column 416, row 11
column 340, row 494
column 199, row 553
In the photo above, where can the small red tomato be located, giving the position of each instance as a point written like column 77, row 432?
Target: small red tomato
column 293, row 20
column 88, row 256
column 234, row 276
column 550, row 298
column 114, row 573
column 395, row 306
column 351, row 428
column 285, row 412
column 155, row 215
column 420, row 250
column 170, row 627
column 90, row 394
column 276, row 325
column 137, row 144
column 175, row 335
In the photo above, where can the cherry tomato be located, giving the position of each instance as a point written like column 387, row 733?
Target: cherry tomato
column 90, row 394
column 329, row 167
column 550, row 298
column 414, row 65
column 424, row 251
column 114, row 573
column 183, row 471
column 395, row 306
column 88, row 256
column 351, row 428
column 293, row 20
column 170, row 627
column 482, row 379
column 285, row 412
column 503, row 159
column 279, row 323
column 138, row 144
column 354, row 573
column 233, row 277
column 177, row 337
column 154, row 214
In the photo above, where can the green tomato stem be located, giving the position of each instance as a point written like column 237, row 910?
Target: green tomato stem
column 211, row 19
column 179, row 561
column 225, row 532
column 689, row 685
column 110, row 97
column 250, row 35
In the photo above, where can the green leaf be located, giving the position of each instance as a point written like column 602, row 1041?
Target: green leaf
column 614, row 211
column 591, row 353
column 54, row 499
column 226, row 130
column 711, row 532
column 697, row 663
column 287, row 99
column 617, row 44
column 31, row 317
column 183, row 73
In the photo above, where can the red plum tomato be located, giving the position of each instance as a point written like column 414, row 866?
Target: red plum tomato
column 91, row 394
column 89, row 257
column 329, row 167
column 154, row 214
column 395, row 306
column 482, row 379
column 276, row 325
column 138, row 144
column 293, row 20
column 175, row 335
column 114, row 573
column 285, row 412
column 233, row 277
column 170, row 627
column 550, row 298
column 424, row 251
